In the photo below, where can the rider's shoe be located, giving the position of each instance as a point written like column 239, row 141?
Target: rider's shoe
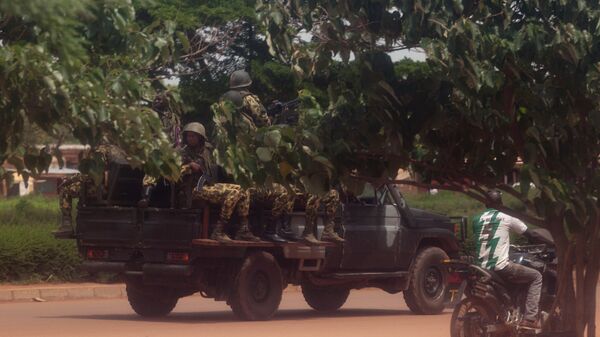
column 530, row 324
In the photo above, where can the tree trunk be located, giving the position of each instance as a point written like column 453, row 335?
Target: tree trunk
column 591, row 278
column 580, row 288
column 565, row 299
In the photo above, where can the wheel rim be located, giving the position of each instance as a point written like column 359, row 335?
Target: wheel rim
column 472, row 320
column 260, row 287
column 433, row 282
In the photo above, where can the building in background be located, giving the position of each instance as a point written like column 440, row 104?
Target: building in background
column 48, row 181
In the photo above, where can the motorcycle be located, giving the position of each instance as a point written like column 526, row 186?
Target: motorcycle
column 493, row 307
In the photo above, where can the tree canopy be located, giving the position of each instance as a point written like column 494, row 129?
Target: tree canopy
column 509, row 80
column 83, row 68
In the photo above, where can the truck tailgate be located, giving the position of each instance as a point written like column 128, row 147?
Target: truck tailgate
column 114, row 224
column 141, row 228
column 170, row 227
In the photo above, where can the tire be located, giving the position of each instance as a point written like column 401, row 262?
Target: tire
column 149, row 301
column 469, row 317
column 427, row 286
column 258, row 287
column 325, row 299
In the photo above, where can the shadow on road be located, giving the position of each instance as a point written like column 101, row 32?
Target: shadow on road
column 228, row 316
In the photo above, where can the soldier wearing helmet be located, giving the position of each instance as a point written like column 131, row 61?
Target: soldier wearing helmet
column 240, row 81
column 198, row 167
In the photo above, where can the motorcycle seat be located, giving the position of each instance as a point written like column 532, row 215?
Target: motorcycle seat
column 491, row 274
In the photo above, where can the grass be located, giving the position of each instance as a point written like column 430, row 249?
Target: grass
column 28, row 251
column 445, row 202
column 34, row 210
column 458, row 204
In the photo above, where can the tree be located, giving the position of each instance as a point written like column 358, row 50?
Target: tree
column 234, row 40
column 83, row 68
column 510, row 80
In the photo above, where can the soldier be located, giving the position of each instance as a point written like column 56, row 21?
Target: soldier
column 254, row 114
column 70, row 188
column 172, row 127
column 331, row 202
column 279, row 199
column 198, row 166
column 240, row 81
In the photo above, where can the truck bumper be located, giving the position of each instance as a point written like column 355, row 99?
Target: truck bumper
column 148, row 269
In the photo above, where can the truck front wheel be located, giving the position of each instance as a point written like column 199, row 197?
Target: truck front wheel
column 428, row 282
column 325, row 299
column 150, row 301
column 258, row 288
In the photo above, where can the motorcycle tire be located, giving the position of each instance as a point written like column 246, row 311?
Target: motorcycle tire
column 470, row 317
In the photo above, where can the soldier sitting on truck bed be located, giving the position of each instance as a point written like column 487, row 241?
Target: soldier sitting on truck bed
column 71, row 187
column 198, row 168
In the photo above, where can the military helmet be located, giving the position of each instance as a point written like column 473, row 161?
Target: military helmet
column 234, row 97
column 239, row 79
column 494, row 196
column 195, row 127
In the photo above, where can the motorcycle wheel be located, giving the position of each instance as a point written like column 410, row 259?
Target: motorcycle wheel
column 470, row 317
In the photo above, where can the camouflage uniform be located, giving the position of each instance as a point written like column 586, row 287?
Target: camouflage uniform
column 331, row 203
column 172, row 127
column 230, row 197
column 255, row 115
column 277, row 196
column 70, row 188
column 169, row 116
column 254, row 108
column 281, row 203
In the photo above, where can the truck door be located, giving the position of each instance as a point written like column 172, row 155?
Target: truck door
column 372, row 223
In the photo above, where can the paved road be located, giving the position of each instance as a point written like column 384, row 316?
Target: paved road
column 367, row 313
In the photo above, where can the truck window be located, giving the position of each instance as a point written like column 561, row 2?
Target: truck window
column 368, row 197
column 384, row 196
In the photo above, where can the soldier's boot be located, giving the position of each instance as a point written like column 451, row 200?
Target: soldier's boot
column 270, row 233
column 244, row 233
column 330, row 235
column 286, row 232
column 308, row 235
column 310, row 239
column 219, row 233
column 66, row 228
column 145, row 200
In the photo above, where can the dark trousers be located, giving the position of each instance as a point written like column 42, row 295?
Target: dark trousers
column 519, row 274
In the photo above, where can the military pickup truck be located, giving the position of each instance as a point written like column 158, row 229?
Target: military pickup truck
column 163, row 251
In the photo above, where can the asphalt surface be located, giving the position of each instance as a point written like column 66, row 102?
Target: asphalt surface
column 366, row 313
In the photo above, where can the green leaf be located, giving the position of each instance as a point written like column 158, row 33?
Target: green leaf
column 273, row 138
column 264, row 154
column 184, row 40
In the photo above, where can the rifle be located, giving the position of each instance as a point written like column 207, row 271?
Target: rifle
column 284, row 112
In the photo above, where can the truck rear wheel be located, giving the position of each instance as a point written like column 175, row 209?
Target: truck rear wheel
column 428, row 282
column 325, row 299
column 150, row 301
column 258, row 288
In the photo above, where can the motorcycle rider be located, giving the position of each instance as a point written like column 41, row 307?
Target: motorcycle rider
column 491, row 230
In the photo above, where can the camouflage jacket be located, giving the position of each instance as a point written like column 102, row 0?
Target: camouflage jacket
column 202, row 156
column 171, row 126
column 254, row 108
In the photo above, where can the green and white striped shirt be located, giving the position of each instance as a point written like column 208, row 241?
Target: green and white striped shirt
column 492, row 234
